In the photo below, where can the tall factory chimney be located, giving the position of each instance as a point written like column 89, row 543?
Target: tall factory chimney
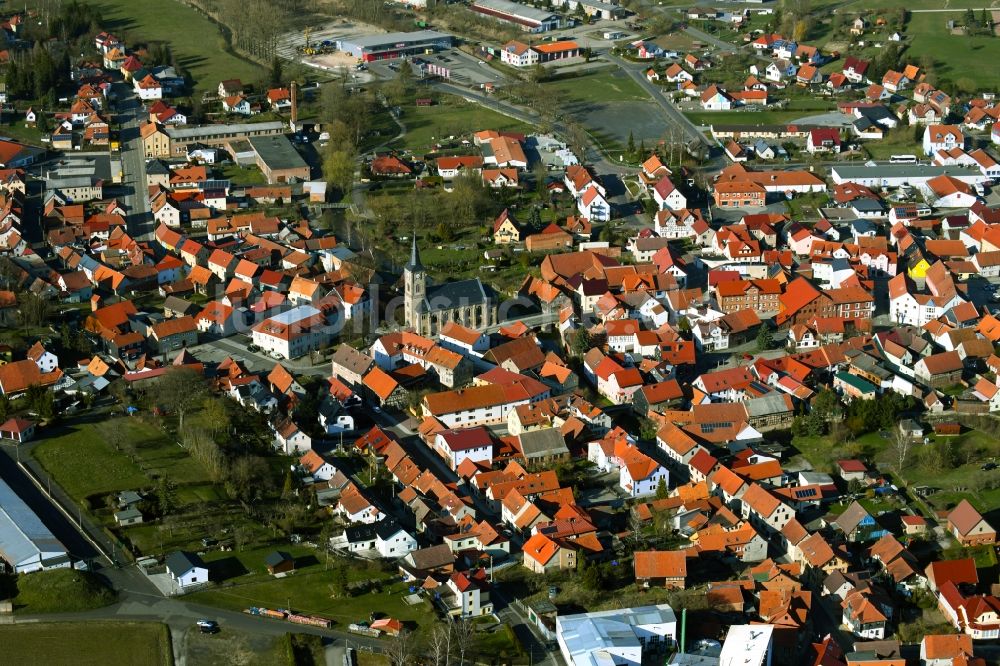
column 295, row 105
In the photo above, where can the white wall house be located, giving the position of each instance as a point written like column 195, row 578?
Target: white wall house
column 457, row 446
column 392, row 541
column 293, row 333
column 186, row 569
column 641, row 475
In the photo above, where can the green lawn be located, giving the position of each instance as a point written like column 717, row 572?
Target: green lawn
column 87, row 644
column 85, row 463
column 963, row 60
column 242, row 175
column 854, row 6
column 607, row 86
column 308, row 590
column 60, row 591
column 19, row 132
column 450, row 116
column 196, row 41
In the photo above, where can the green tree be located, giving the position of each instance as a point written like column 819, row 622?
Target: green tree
column 338, row 169
column 580, row 342
column 648, row 429
column 276, row 74
column 661, row 489
column 166, row 495
column 827, row 405
column 289, row 486
column 630, row 145
column 763, row 339
column 339, row 584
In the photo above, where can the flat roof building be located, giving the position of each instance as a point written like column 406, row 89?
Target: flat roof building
column 897, row 175
column 26, row 544
column 616, row 637
column 395, row 44
column 747, row 645
column 526, row 18
column 278, row 160
column 219, row 136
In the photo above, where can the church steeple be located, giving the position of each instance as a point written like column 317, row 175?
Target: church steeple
column 414, row 266
column 414, row 287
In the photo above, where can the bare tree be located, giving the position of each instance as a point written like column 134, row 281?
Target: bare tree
column 900, row 446
column 180, row 390
column 439, row 645
column 465, row 638
column 401, row 650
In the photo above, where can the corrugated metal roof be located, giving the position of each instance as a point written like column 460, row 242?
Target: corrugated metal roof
column 23, row 537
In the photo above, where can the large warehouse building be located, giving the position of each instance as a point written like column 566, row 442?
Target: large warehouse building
column 526, row 18
column 395, row 44
column 26, row 544
column 278, row 160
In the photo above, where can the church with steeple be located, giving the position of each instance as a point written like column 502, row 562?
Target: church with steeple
column 429, row 307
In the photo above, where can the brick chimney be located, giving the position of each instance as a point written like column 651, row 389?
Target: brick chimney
column 295, row 104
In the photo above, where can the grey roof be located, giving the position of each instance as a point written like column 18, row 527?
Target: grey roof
column 429, row 558
column 129, row 497
column 854, row 172
column 866, row 205
column 356, row 533
column 414, row 266
column 128, row 514
column 178, row 304
column 392, row 38
column 450, row 295
column 515, row 9
column 350, row 358
column 277, row 152
column 180, row 562
column 24, row 539
column 772, row 403
column 851, row 518
column 157, row 168
column 544, row 442
column 588, row 636
column 188, row 133
column 70, row 181
column 276, row 557
column 386, row 529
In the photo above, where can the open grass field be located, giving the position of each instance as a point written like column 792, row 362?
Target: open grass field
column 450, row 116
column 607, row 86
column 851, row 6
column 60, row 591
column 308, row 590
column 84, row 461
column 956, row 57
column 196, row 42
column 233, row 646
column 87, row 644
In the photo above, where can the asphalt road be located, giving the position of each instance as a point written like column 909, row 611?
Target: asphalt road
column 130, row 112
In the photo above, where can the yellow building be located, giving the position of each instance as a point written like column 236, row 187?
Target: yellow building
column 155, row 142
